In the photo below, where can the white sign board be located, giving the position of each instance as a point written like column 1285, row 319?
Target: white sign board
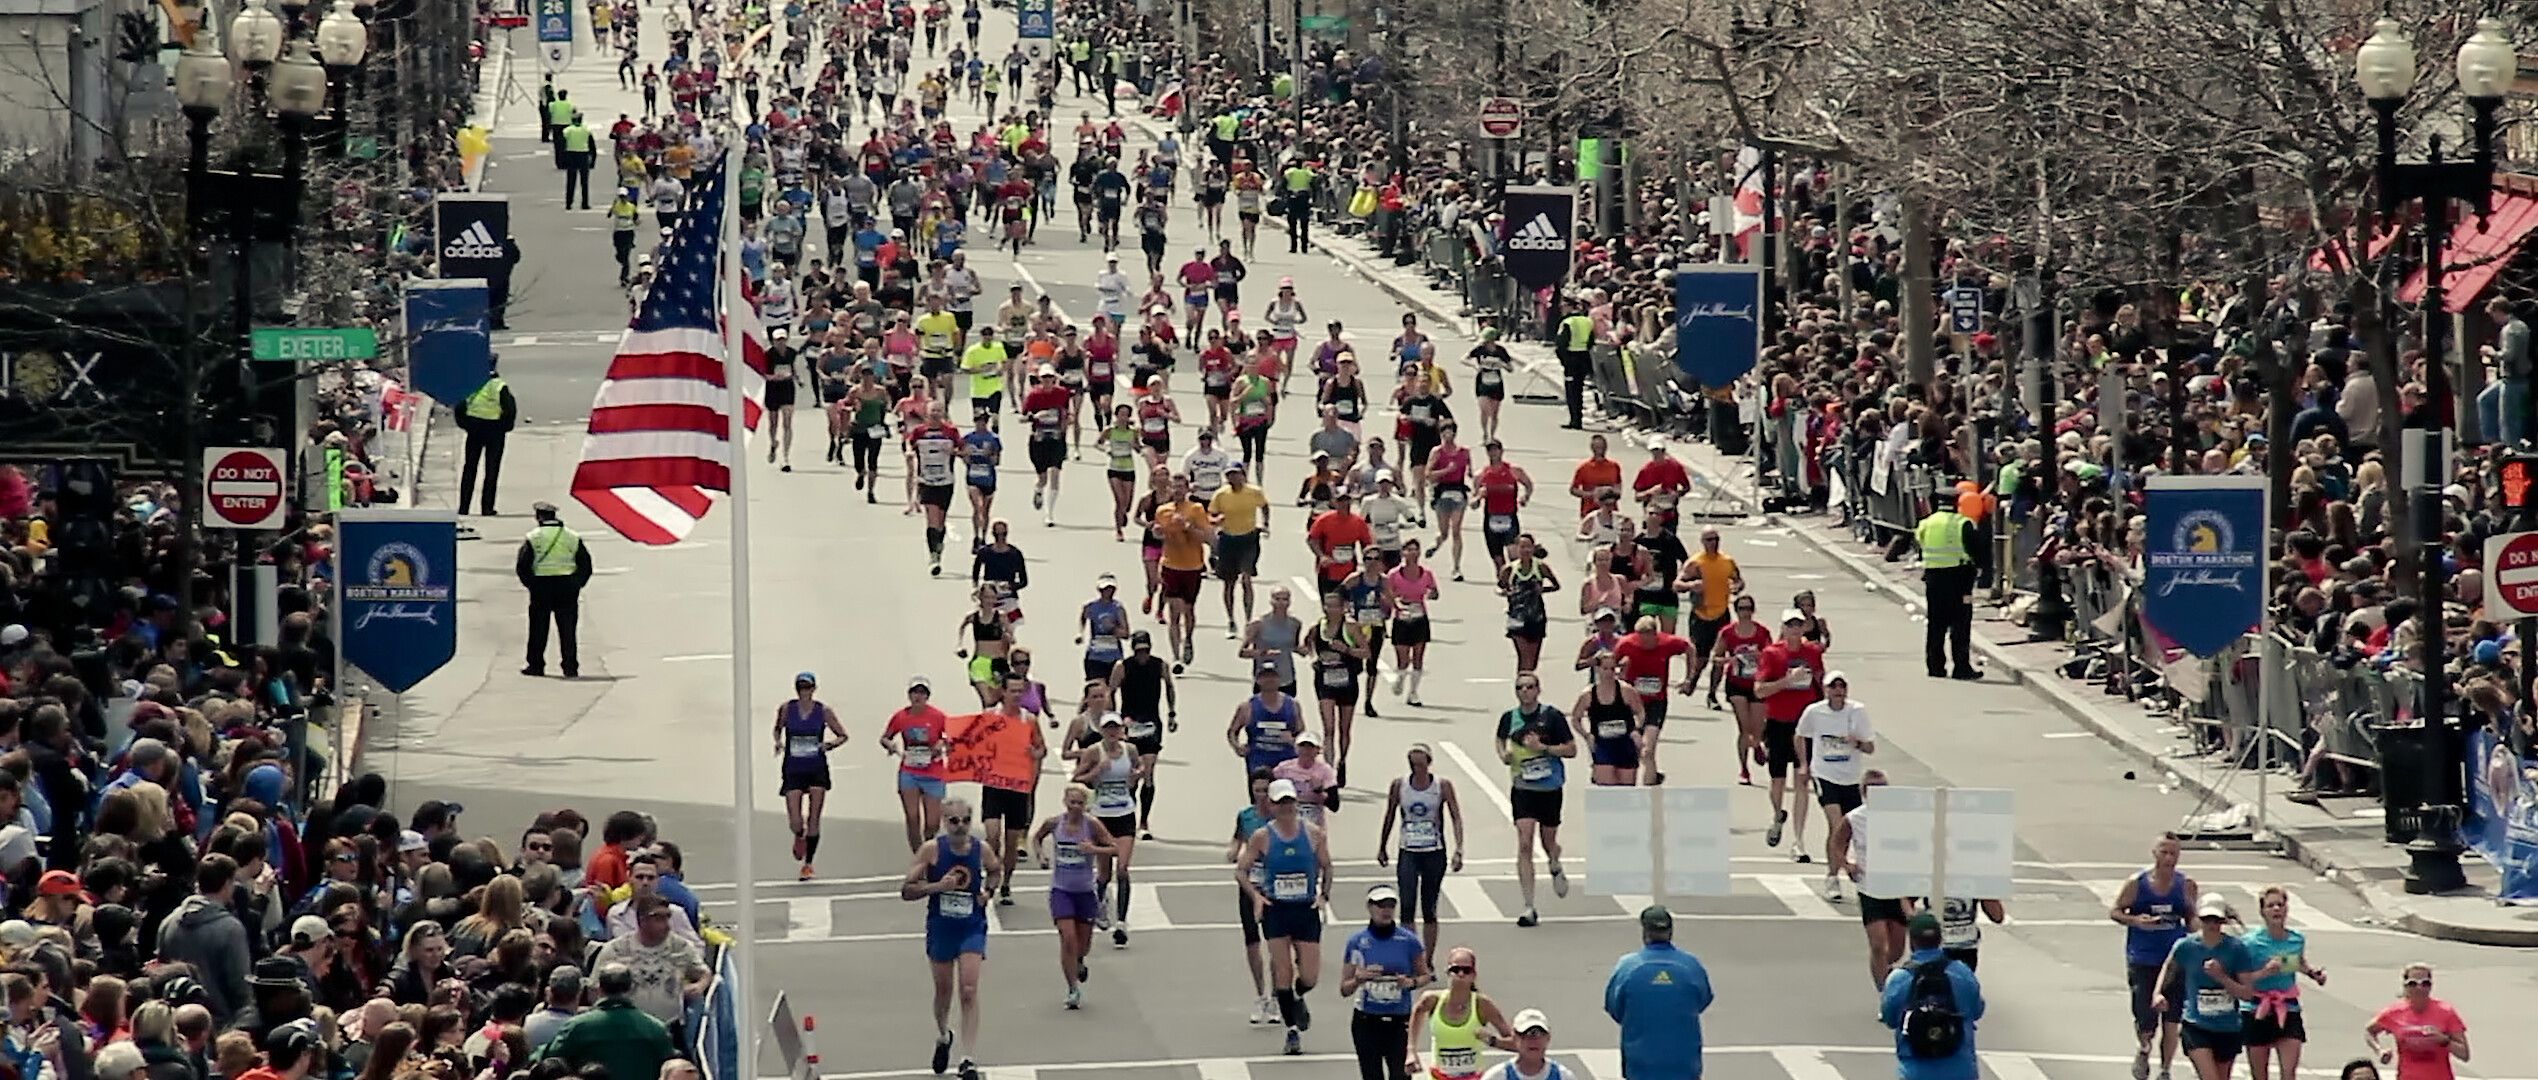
column 1621, row 853
column 1981, row 843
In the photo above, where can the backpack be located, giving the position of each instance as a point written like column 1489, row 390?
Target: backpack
column 1932, row 1026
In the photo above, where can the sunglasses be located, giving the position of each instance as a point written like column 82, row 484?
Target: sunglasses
column 345, row 858
column 956, row 821
column 541, row 847
column 2414, row 983
column 1459, row 969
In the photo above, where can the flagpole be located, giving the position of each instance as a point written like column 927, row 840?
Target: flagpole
column 743, row 783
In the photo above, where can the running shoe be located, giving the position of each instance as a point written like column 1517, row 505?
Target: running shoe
column 969, row 1071
column 942, row 1051
column 801, row 848
column 1779, row 823
column 1232, row 631
column 1119, row 935
column 1075, row 997
column 1744, row 774
column 1261, row 1010
column 1295, row 1043
column 2141, row 1065
column 1559, row 883
column 807, row 873
column 1833, row 891
column 1083, row 972
column 1035, row 498
column 1529, row 919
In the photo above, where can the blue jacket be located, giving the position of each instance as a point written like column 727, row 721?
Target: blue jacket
column 1969, row 1003
column 1657, row 995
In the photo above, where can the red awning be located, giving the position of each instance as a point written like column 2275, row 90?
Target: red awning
column 2478, row 250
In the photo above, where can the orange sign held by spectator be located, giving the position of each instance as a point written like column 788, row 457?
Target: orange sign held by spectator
column 993, row 749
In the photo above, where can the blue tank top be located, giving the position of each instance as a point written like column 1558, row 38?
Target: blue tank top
column 956, row 909
column 1271, row 735
column 1394, row 955
column 1293, row 870
column 804, row 747
column 2151, row 946
column 1070, row 865
column 1365, row 602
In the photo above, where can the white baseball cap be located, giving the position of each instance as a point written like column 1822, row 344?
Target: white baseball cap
column 1531, row 1020
column 1281, row 790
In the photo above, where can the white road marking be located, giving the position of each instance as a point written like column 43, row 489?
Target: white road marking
column 693, row 657
column 1601, row 1063
column 525, row 339
column 809, row 918
column 1797, row 893
column 2009, row 1066
column 1471, row 901
column 2068, row 735
column 1634, row 903
column 1487, row 784
column 1211, row 873
column 1222, row 1069
column 1805, row 1063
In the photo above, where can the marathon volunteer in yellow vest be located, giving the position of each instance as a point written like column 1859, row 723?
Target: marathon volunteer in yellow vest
column 1952, row 554
column 1575, row 346
column 486, row 417
column 554, row 564
column 1300, row 179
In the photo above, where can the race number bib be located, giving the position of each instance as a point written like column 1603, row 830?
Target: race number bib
column 1535, row 770
column 1256, row 407
column 1612, row 729
column 1833, row 749
column 1649, row 685
column 877, row 432
column 1141, row 729
column 1156, row 425
column 917, row 757
column 980, row 470
column 1501, row 524
column 1383, row 992
column 959, row 905
column 1290, row 888
column 1335, row 677
column 1346, row 408
column 2214, row 1001
column 1419, row 835
column 802, row 746
column 1113, row 799
column 1070, row 856
column 1458, row 1061
column 1105, row 644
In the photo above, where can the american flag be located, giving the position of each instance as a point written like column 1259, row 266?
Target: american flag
column 659, row 450
column 1750, row 183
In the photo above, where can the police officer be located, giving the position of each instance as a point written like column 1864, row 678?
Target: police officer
column 1952, row 554
column 487, row 417
column 1575, row 348
column 559, row 115
column 580, row 151
column 554, row 564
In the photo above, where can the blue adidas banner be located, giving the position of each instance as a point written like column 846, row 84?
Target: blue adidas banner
column 1717, row 321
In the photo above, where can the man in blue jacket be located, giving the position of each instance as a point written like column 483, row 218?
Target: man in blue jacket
column 1934, row 1038
column 1657, row 995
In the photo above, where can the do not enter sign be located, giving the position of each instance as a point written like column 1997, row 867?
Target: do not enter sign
column 1502, row 117
column 244, row 487
column 2511, row 575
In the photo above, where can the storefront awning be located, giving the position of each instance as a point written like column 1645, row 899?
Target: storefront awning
column 2477, row 251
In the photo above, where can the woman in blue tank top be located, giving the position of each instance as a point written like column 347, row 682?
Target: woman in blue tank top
column 805, row 731
column 954, row 873
column 1076, row 838
column 1294, row 859
column 1264, row 728
column 2153, row 909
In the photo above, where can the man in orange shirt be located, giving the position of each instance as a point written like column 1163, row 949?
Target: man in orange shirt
column 1595, row 473
column 1338, row 537
column 1187, row 534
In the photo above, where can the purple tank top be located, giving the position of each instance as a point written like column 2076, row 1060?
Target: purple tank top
column 1071, row 866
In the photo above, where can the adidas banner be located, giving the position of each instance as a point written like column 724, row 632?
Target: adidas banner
column 1540, row 230
column 469, row 231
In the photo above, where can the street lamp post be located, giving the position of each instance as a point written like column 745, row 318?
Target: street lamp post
column 2385, row 69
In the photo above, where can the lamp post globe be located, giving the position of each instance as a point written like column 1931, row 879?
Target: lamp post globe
column 255, row 36
column 2487, row 62
column 342, row 39
column 2385, row 64
column 202, row 80
column 298, row 87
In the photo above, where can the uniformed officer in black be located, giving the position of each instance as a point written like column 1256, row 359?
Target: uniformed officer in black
column 554, row 564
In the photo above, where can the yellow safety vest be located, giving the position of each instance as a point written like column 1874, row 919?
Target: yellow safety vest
column 1080, row 50
column 1226, row 123
column 1942, row 540
column 559, row 112
column 577, row 140
column 486, row 402
column 558, row 550
column 1581, row 331
column 1299, row 179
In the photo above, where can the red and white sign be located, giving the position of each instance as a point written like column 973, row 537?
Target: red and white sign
column 1502, row 117
column 2511, row 576
column 244, row 487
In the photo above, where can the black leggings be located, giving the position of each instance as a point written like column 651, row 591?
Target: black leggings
column 1255, row 444
column 867, row 454
column 1383, row 1046
column 1420, row 875
column 1374, row 660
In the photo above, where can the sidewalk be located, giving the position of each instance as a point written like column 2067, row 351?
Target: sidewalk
column 2340, row 840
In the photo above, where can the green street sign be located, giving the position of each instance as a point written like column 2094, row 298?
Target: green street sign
column 295, row 343
column 365, row 147
column 1324, row 24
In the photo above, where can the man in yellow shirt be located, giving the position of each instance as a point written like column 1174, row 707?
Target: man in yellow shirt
column 987, row 363
column 1187, row 530
column 1241, row 513
column 936, row 330
column 1713, row 581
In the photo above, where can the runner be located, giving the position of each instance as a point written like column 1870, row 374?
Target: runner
column 2272, row 1020
column 1422, row 802
column 1491, row 364
column 1255, row 406
column 1119, row 444
column 1198, row 286
column 2152, row 910
column 1383, row 969
column 1156, row 413
column 1240, row 512
column 1047, row 406
column 1449, row 476
column 1008, row 809
column 982, row 450
column 1613, row 717
column 1534, row 741
column 1662, row 482
column 1151, row 702
column 1524, row 581
column 1248, row 821
column 1295, row 861
column 1788, row 676
column 1738, row 651
column 1102, row 628
column 1595, row 475
column 931, row 446
column 1833, row 742
column 1882, row 917
column 937, row 332
column 805, row 732
column 1460, row 1020
column 1532, row 1045
column 2210, row 971
column 983, row 639
column 953, row 874
column 1647, row 664
column 1113, row 769
column 1341, row 653
column 1187, row 532
column 1074, row 901
column 1407, row 592
column 2429, row 1033
column 917, row 736
column 869, row 428
column 1712, row 579
column 1263, row 730
column 996, row 564
column 1505, row 490
column 1230, row 273
column 1286, row 318
column 1316, row 783
column 1248, row 200
column 1205, row 466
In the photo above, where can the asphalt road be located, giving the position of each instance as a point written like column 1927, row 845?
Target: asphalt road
column 839, row 588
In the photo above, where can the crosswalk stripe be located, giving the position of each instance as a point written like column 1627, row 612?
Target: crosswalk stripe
column 1805, row 1063
column 1488, row 785
column 1470, row 900
column 1797, row 894
column 1605, row 1063
column 809, row 918
column 2010, row 1066
column 1222, row 1069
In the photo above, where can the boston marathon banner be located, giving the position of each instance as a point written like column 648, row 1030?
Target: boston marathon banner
column 1717, row 321
column 2203, row 559
column 2502, row 815
column 397, row 574
column 1541, row 227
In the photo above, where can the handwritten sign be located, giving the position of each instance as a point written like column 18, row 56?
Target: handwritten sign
column 993, row 749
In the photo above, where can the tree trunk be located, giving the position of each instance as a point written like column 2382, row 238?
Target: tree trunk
column 2370, row 322
column 1921, row 360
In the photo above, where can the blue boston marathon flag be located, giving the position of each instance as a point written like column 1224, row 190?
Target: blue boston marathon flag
column 2203, row 559
column 1035, row 18
column 1718, row 326
column 397, row 573
column 2502, row 823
